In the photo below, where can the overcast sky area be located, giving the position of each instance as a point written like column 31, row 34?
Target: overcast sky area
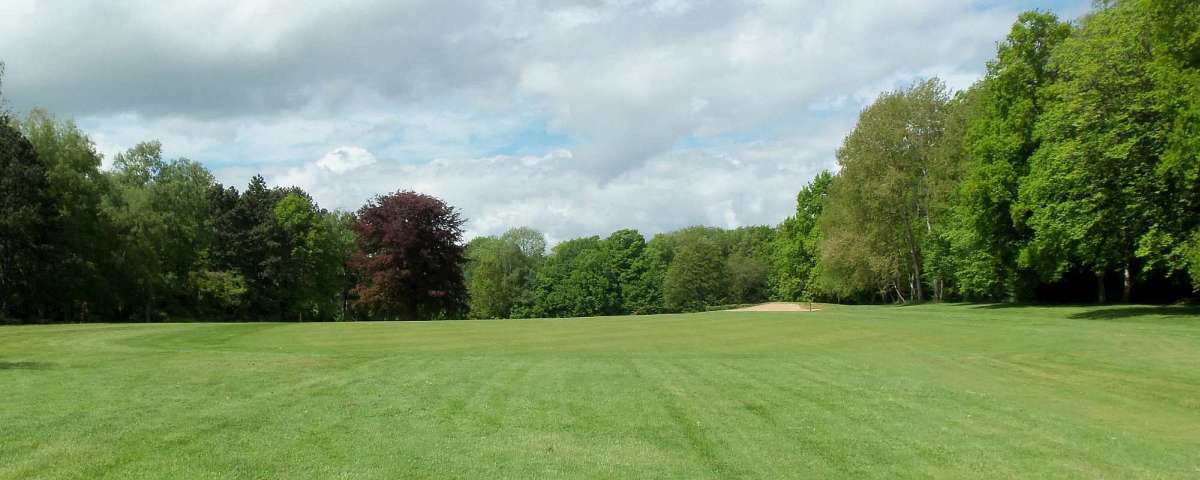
column 575, row 118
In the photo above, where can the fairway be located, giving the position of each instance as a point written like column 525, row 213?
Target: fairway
column 951, row 391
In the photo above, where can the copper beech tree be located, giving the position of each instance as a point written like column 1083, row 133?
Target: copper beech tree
column 410, row 257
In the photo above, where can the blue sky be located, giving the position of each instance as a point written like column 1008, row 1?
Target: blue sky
column 575, row 118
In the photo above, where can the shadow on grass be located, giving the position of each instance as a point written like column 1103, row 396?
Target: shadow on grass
column 1117, row 313
column 997, row 306
column 25, row 365
column 1132, row 312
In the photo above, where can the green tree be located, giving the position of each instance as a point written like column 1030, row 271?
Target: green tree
column 999, row 141
column 624, row 248
column 697, row 277
column 28, row 223
column 884, row 202
column 500, row 272
column 159, row 211
column 641, row 286
column 1092, row 195
column 749, row 280
column 577, row 280
column 794, row 249
column 1174, row 243
column 82, row 261
column 314, row 267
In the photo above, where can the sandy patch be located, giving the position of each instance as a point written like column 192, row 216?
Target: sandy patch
column 779, row 307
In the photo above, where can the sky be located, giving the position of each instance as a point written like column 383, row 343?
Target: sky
column 576, row 118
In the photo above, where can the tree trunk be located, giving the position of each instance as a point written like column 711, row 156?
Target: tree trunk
column 915, row 255
column 1127, row 291
column 918, row 291
column 1101, row 297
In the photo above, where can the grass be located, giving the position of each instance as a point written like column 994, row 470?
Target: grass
column 950, row 391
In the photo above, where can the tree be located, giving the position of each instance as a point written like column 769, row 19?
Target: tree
column 338, row 249
column 624, row 247
column 883, row 204
column 999, row 141
column 82, row 245
column 1092, row 195
column 748, row 279
column 530, row 243
column 28, row 223
column 697, row 276
column 313, row 268
column 794, row 248
column 410, row 257
column 250, row 241
column 159, row 211
column 641, row 286
column 1173, row 245
column 501, row 271
column 577, row 280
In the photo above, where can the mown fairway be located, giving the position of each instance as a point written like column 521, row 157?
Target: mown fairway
column 885, row 392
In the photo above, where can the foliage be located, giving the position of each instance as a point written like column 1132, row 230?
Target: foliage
column 987, row 234
column 501, row 270
column 641, row 285
column 577, row 280
column 893, row 185
column 83, row 244
column 28, row 225
column 794, row 275
column 410, row 257
column 697, row 276
column 1092, row 193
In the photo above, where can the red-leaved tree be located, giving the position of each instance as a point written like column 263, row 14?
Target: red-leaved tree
column 410, row 257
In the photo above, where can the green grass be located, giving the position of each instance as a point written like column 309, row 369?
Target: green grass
column 883, row 392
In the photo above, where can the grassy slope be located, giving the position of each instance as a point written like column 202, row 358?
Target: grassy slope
column 946, row 391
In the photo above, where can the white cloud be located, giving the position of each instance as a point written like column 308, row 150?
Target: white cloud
column 345, row 159
column 574, row 117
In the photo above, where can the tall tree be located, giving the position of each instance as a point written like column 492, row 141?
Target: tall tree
column 501, row 271
column 82, row 261
column 28, row 223
column 999, row 141
column 1092, row 195
column 1174, row 243
column 159, row 211
column 311, row 266
column 410, row 257
column 624, row 247
column 641, row 286
column 794, row 252
column 884, row 202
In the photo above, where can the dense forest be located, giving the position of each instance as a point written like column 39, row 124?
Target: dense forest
column 1070, row 170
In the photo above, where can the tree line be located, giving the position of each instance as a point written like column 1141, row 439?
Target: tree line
column 155, row 239
column 693, row 269
column 1071, row 169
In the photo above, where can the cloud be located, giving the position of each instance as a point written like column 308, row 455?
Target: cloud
column 552, row 113
column 345, row 159
column 748, row 184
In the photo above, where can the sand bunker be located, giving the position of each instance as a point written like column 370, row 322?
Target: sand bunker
column 779, row 307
